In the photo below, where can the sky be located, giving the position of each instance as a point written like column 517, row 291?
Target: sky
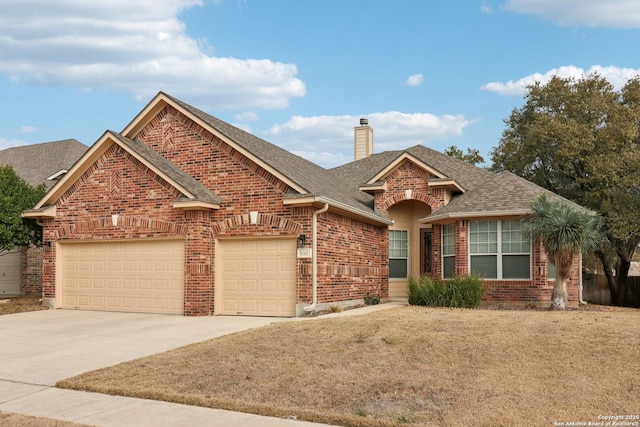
column 301, row 73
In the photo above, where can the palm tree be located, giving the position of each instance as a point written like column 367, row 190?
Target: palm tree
column 564, row 231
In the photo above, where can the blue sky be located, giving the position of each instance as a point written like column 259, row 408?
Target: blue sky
column 300, row 73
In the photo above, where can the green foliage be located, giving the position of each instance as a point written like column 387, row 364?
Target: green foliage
column 473, row 155
column 562, row 228
column 564, row 231
column 580, row 138
column 16, row 195
column 461, row 291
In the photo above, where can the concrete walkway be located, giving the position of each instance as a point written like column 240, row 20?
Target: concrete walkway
column 37, row 349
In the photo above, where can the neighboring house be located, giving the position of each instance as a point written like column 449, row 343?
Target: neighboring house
column 45, row 163
column 184, row 213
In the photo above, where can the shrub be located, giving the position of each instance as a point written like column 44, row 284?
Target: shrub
column 462, row 291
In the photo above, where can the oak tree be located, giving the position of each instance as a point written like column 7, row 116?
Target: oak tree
column 580, row 138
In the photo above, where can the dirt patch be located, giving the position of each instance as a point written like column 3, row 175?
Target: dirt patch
column 17, row 420
column 20, row 304
column 425, row 366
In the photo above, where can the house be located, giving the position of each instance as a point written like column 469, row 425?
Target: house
column 184, row 213
column 45, row 163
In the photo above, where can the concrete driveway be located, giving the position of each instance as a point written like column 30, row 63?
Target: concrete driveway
column 43, row 347
column 39, row 348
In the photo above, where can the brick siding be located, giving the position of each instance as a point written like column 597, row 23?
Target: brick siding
column 351, row 265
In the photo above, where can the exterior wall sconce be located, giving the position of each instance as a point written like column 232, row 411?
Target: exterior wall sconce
column 301, row 240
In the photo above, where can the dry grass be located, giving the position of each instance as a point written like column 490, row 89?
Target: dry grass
column 406, row 365
column 20, row 304
column 17, row 420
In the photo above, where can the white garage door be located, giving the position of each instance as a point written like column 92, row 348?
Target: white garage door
column 258, row 277
column 135, row 276
column 10, row 272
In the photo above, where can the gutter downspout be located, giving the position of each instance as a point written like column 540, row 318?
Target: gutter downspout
column 314, row 257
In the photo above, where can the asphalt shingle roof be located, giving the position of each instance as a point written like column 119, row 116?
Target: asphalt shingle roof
column 484, row 191
column 362, row 171
column 500, row 193
column 304, row 173
column 35, row 162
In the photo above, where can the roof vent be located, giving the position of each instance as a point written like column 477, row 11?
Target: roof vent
column 364, row 122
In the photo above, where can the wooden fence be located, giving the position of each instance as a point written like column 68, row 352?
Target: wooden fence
column 596, row 290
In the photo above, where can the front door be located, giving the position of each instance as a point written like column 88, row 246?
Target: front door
column 425, row 251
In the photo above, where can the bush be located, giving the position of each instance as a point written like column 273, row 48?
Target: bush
column 462, row 291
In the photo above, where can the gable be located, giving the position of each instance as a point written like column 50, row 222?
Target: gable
column 304, row 182
column 191, row 193
column 154, row 118
column 117, row 180
column 204, row 156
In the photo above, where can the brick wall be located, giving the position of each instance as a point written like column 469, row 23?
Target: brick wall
column 31, row 269
column 351, row 264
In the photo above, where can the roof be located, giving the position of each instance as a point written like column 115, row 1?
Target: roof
column 313, row 180
column 476, row 191
column 364, row 170
column 498, row 195
column 36, row 162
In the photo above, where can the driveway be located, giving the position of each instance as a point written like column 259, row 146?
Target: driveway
column 39, row 348
column 43, row 347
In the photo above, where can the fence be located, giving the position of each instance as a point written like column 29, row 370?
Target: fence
column 596, row 290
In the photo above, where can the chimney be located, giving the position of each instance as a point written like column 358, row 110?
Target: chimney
column 363, row 140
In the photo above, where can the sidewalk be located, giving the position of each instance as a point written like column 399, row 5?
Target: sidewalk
column 116, row 411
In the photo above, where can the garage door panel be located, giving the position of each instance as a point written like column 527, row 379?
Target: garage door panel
column 122, row 276
column 258, row 277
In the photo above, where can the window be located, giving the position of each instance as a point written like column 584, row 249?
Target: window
column 551, row 270
column 498, row 250
column 448, row 251
column 398, row 253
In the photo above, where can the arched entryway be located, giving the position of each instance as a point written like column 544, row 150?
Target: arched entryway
column 409, row 245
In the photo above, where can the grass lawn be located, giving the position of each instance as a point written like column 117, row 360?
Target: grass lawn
column 405, row 365
column 20, row 304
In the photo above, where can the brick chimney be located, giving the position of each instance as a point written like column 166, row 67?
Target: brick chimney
column 363, row 140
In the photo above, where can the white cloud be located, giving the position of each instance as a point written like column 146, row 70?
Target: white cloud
column 328, row 140
column 247, row 116
column 415, row 80
column 615, row 75
column 590, row 13
column 27, row 129
column 138, row 47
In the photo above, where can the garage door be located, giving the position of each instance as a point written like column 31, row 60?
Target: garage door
column 258, row 277
column 10, row 272
column 135, row 276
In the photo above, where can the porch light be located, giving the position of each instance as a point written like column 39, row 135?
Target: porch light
column 301, row 240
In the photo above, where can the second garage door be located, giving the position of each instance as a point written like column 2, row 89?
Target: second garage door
column 257, row 277
column 135, row 276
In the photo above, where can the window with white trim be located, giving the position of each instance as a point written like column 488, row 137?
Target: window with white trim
column 398, row 254
column 448, row 251
column 498, row 250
